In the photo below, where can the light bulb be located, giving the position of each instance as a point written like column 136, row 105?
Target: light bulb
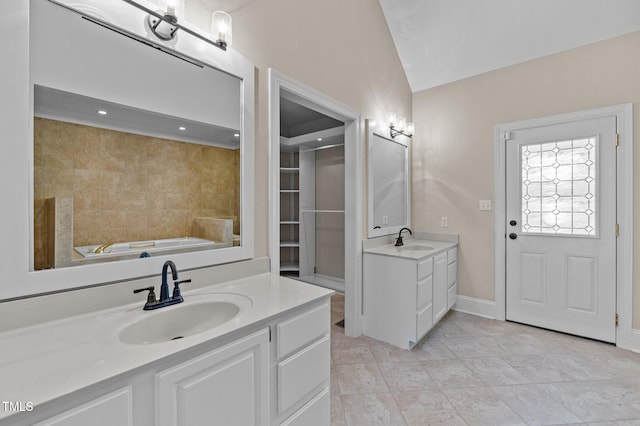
column 402, row 125
column 393, row 120
column 171, row 7
column 221, row 27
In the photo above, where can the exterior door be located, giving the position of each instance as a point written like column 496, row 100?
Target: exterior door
column 561, row 227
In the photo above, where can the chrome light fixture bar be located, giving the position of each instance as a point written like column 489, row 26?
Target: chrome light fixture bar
column 165, row 25
column 395, row 132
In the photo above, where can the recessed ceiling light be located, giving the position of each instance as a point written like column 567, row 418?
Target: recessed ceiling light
column 319, row 139
column 182, row 128
column 102, row 112
column 237, row 135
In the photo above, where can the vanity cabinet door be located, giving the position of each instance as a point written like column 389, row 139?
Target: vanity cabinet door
column 114, row 408
column 440, row 287
column 227, row 386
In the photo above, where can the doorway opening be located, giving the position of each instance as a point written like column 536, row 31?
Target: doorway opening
column 315, row 203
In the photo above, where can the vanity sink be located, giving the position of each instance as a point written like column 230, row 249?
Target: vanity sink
column 415, row 247
column 182, row 320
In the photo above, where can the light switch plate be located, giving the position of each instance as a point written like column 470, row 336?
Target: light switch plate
column 485, row 205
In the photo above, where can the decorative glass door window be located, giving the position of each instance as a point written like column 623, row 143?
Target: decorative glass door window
column 559, row 187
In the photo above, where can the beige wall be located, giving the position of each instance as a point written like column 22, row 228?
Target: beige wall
column 128, row 187
column 340, row 48
column 453, row 153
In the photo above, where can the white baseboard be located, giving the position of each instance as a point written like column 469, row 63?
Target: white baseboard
column 635, row 340
column 474, row 306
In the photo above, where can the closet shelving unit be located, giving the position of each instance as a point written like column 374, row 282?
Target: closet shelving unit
column 301, row 255
column 289, row 213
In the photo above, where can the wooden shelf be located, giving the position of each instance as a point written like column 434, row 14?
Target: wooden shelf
column 289, row 222
column 293, row 191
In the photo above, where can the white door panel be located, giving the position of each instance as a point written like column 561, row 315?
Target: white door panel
column 561, row 217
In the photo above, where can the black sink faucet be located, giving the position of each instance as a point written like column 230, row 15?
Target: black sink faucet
column 399, row 241
column 165, row 299
column 164, row 287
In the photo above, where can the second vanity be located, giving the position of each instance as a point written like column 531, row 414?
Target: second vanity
column 268, row 364
column 408, row 289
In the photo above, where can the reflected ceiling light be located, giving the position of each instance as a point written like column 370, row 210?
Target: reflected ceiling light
column 319, row 139
column 102, row 112
column 182, row 128
column 237, row 135
column 164, row 24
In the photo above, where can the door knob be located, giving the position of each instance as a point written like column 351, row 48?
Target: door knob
column 513, row 236
column 513, row 223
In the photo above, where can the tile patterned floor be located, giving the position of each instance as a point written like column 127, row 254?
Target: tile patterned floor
column 475, row 371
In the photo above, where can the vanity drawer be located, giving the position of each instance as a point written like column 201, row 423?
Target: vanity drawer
column 424, row 320
column 302, row 329
column 452, row 255
column 315, row 413
column 452, row 295
column 425, row 268
column 452, row 271
column 303, row 372
column 425, row 291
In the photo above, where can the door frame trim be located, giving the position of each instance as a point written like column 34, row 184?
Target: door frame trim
column 279, row 83
column 624, row 184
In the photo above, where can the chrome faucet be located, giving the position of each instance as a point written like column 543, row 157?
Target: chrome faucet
column 165, row 299
column 399, row 241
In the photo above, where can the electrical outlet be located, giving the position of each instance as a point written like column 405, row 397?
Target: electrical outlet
column 485, row 205
column 445, row 221
column 385, row 220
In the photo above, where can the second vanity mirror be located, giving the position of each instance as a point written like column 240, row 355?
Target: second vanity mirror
column 387, row 181
column 140, row 149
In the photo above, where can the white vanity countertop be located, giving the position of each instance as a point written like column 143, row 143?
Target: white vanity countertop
column 406, row 250
column 42, row 362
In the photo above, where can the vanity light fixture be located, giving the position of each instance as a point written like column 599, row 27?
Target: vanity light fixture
column 400, row 127
column 164, row 25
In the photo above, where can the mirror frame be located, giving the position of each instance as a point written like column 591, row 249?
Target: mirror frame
column 16, row 120
column 372, row 129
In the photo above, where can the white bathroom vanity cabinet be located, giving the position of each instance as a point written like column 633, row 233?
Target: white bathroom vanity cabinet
column 408, row 289
column 270, row 366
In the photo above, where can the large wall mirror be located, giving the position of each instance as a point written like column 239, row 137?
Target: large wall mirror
column 141, row 150
column 388, row 191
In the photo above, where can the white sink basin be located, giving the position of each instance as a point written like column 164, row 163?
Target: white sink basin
column 415, row 247
column 196, row 315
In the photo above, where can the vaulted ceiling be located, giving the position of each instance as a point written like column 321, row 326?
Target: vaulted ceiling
column 441, row 41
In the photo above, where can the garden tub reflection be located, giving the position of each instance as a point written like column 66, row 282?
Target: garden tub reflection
column 149, row 247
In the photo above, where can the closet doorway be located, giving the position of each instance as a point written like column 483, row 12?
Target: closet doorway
column 315, row 226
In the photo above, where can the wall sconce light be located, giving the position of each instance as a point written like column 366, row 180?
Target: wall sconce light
column 221, row 27
column 164, row 25
column 400, row 127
